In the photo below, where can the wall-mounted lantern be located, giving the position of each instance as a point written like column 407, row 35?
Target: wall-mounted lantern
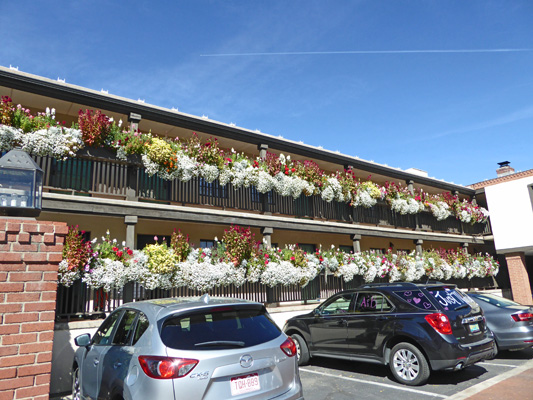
column 21, row 185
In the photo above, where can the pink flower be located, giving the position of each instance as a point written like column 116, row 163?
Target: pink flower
column 155, row 238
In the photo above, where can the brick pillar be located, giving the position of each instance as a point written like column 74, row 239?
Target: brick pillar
column 30, row 252
column 516, row 263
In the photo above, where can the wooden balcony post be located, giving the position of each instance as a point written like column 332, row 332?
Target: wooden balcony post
column 134, row 120
column 132, row 179
column 263, row 148
column 418, row 244
column 356, row 243
column 263, row 197
column 130, row 221
column 410, row 186
column 267, row 236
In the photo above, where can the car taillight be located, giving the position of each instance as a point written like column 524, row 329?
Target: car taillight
column 289, row 347
column 522, row 317
column 166, row 367
column 440, row 323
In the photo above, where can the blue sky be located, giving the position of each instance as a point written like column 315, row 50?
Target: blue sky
column 442, row 86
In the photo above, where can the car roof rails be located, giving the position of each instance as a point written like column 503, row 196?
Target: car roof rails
column 390, row 284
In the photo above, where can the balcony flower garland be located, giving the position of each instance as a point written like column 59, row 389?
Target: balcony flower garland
column 173, row 159
column 238, row 259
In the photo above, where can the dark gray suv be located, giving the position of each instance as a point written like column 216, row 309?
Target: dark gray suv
column 187, row 348
column 412, row 328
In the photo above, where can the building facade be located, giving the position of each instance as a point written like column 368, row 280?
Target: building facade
column 510, row 198
column 98, row 191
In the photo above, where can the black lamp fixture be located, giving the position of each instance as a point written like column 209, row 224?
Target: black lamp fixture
column 21, row 185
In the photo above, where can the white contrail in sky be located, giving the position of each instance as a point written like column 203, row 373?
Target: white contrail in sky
column 305, row 53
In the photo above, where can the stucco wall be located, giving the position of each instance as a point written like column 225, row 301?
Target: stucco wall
column 511, row 214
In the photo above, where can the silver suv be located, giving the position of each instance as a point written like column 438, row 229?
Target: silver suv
column 187, row 348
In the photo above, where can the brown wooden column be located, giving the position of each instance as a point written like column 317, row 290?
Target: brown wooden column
column 516, row 264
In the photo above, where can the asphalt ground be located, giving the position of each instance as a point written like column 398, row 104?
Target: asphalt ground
column 328, row 379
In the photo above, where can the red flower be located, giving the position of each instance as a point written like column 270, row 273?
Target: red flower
column 130, row 252
column 292, row 258
column 115, row 249
column 119, row 254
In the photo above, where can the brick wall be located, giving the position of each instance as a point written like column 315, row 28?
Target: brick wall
column 516, row 264
column 30, row 252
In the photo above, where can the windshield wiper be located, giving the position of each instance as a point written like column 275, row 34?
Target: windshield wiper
column 461, row 307
column 221, row 343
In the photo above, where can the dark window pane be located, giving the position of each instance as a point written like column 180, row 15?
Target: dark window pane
column 142, row 326
column 216, row 330
column 125, row 328
column 415, row 298
column 371, row 302
column 103, row 334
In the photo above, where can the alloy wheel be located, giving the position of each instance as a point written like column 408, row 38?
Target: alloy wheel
column 406, row 364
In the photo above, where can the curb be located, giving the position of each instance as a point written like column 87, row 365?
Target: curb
column 465, row 394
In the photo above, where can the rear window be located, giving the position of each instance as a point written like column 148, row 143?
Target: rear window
column 449, row 298
column 497, row 301
column 219, row 329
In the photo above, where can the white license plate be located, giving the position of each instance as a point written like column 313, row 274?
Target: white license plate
column 474, row 328
column 245, row 384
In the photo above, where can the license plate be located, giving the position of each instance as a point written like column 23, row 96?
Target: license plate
column 474, row 328
column 245, row 384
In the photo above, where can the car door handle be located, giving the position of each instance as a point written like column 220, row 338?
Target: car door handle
column 117, row 365
column 342, row 322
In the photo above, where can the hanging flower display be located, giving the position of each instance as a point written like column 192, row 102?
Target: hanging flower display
column 183, row 160
column 238, row 258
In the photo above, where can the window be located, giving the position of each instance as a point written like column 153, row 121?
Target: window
column 416, row 298
column 338, row 305
column 378, row 251
column 256, row 196
column 346, row 249
column 207, row 244
column 142, row 326
column 213, row 189
column 103, row 334
column 145, row 240
column 218, row 329
column 530, row 190
column 308, row 248
column 372, row 302
column 125, row 328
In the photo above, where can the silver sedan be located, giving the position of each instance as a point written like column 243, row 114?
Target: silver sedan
column 511, row 322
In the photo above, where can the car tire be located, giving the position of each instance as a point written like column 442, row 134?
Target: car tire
column 408, row 365
column 76, row 390
column 302, row 351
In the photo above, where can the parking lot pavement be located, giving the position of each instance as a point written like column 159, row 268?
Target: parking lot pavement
column 342, row 380
column 502, row 378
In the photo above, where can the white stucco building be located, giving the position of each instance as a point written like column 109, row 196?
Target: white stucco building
column 510, row 201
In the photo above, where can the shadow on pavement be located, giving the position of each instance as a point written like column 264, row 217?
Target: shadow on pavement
column 383, row 372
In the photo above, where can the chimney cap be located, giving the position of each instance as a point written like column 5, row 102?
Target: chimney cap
column 504, row 164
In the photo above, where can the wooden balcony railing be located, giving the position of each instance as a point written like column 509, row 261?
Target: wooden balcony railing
column 103, row 174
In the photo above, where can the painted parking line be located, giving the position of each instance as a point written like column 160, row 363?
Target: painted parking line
column 405, row 389
column 498, row 365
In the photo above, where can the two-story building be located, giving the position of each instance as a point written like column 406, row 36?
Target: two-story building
column 99, row 192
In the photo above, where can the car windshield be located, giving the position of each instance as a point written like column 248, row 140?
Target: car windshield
column 450, row 298
column 497, row 301
column 223, row 328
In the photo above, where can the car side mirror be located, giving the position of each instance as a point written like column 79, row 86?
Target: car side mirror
column 83, row 340
column 316, row 312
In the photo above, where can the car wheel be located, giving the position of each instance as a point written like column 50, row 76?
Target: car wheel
column 302, row 352
column 76, row 392
column 408, row 365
